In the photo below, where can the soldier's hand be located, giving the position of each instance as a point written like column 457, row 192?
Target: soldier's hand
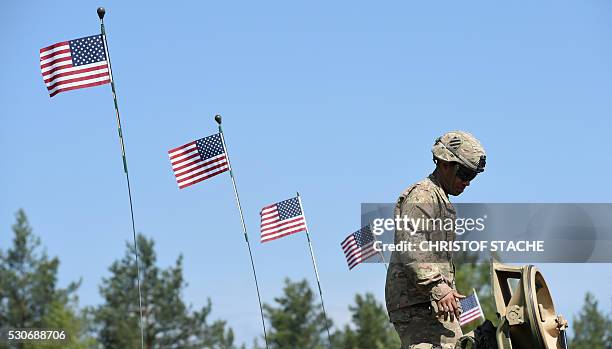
column 449, row 307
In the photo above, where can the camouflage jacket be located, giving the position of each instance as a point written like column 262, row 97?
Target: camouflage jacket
column 416, row 277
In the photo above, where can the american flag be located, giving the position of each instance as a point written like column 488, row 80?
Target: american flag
column 79, row 63
column 359, row 246
column 198, row 160
column 470, row 309
column 282, row 219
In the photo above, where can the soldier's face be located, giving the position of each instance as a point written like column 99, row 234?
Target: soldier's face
column 459, row 185
column 453, row 179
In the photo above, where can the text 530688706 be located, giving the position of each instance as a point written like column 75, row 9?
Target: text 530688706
column 21, row 335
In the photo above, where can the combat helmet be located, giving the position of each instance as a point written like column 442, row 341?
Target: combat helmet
column 461, row 147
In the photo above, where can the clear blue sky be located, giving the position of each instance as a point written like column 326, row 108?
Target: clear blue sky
column 339, row 100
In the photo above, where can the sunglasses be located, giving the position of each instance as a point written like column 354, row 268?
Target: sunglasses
column 465, row 174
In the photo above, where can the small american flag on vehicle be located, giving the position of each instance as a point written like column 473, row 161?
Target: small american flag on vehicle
column 359, row 246
column 282, row 219
column 198, row 160
column 470, row 309
column 74, row 64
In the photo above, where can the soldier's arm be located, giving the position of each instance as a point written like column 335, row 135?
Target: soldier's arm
column 422, row 264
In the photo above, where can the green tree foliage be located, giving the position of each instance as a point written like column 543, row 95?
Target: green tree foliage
column 168, row 321
column 370, row 327
column 73, row 322
column 296, row 321
column 29, row 295
column 592, row 329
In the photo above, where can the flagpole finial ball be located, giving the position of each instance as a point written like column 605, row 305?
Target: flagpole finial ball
column 101, row 12
column 218, row 119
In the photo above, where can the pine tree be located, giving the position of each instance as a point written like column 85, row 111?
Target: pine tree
column 29, row 295
column 370, row 327
column 592, row 329
column 296, row 321
column 168, row 321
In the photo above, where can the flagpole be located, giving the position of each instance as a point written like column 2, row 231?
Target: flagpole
column 101, row 13
column 479, row 306
column 314, row 264
column 246, row 237
column 382, row 256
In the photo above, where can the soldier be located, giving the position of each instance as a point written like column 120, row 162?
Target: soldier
column 420, row 292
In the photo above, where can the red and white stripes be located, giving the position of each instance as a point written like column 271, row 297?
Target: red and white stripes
column 59, row 73
column 272, row 227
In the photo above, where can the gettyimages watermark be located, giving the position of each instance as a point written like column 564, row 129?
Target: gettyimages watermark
column 513, row 233
column 414, row 224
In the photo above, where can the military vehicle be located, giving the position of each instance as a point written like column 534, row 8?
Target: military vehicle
column 527, row 316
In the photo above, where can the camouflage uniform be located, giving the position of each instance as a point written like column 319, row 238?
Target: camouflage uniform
column 416, row 280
